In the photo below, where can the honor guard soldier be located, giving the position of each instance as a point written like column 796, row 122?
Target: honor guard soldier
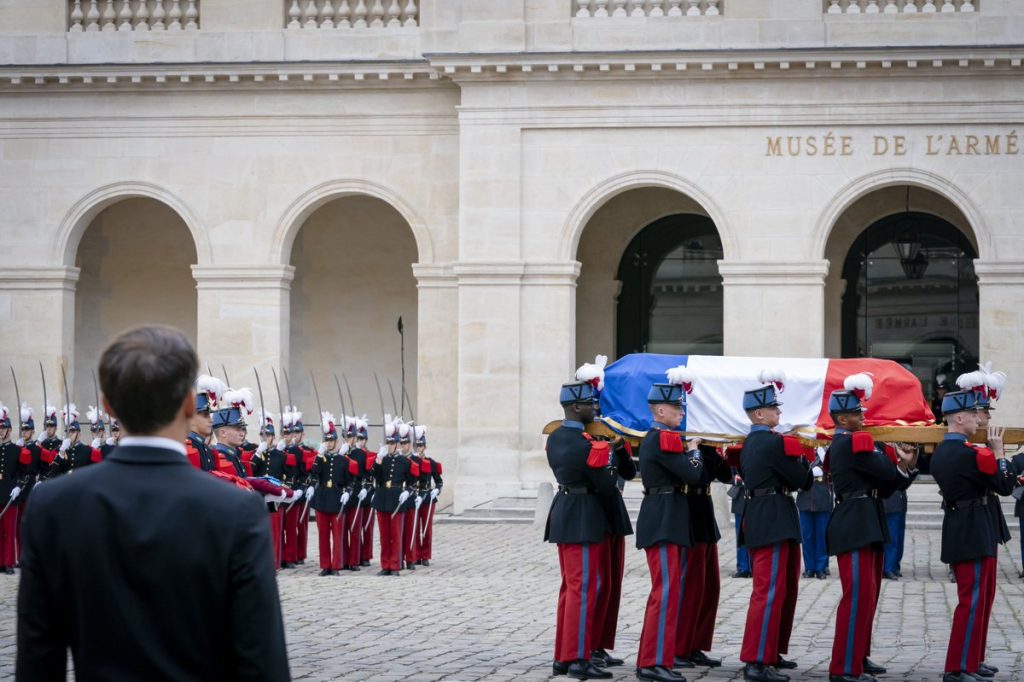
column 15, row 461
column 668, row 469
column 49, row 445
column 363, row 486
column 304, row 456
column 366, row 511
column 333, row 476
column 431, row 484
column 28, row 441
column 815, row 507
column 298, row 478
column 578, row 524
column 772, row 467
column 208, row 393
column 415, row 500
column 246, row 451
column 863, row 474
column 739, row 500
column 971, row 532
column 606, row 613
column 72, row 454
column 395, row 480
column 268, row 461
column 352, row 532
column 227, row 427
column 98, row 429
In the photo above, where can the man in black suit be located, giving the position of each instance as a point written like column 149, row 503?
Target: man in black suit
column 145, row 567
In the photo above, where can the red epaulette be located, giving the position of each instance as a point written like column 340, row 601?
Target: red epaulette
column 986, row 460
column 600, row 454
column 863, row 442
column 193, row 454
column 414, row 469
column 289, row 459
column 425, row 467
column 95, row 456
column 25, row 457
column 437, row 468
column 670, row 441
column 792, row 446
column 732, row 455
column 47, row 456
column 371, row 459
column 353, row 467
column 231, row 478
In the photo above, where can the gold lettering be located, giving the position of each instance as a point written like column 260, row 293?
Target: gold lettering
column 992, row 145
column 812, row 146
column 1011, row 144
column 933, row 151
column 881, row 146
column 954, row 144
column 793, row 145
column 899, row 145
column 972, row 145
column 774, row 146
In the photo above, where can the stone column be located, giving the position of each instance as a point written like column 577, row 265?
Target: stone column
column 1001, row 327
column 774, row 309
column 37, row 323
column 243, row 318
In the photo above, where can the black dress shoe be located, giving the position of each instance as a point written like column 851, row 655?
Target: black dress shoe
column 899, row 573
column 383, row 571
column 410, row 566
column 759, row 672
column 747, row 574
column 585, row 670
column 783, row 664
column 989, row 668
column 325, row 571
column 682, row 662
column 396, row 573
column 983, row 674
column 560, row 668
column 426, row 562
column 287, row 564
column 605, row 658
column 889, row 575
column 364, row 563
column 810, row 574
column 959, row 677
column 850, row 678
column 658, row 674
column 872, row 668
column 821, row 575
column 698, row 657
column 9, row 571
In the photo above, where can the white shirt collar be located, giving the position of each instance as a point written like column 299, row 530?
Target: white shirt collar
column 153, row 442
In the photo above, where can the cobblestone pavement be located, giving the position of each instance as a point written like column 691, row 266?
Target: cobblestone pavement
column 485, row 611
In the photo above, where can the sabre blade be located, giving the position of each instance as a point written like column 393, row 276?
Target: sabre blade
column 351, row 402
column 17, row 396
column 394, row 403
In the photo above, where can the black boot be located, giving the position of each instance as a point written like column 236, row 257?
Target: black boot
column 872, row 668
column 658, row 674
column 560, row 668
column 426, row 562
column 602, row 658
column 325, row 571
column 759, row 672
column 698, row 657
column 585, row 670
column 987, row 668
column 410, row 566
column 983, row 673
column 783, row 664
column 364, row 563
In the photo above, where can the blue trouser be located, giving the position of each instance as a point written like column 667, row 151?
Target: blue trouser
column 742, row 556
column 813, row 526
column 894, row 550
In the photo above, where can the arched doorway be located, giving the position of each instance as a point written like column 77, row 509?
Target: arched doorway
column 135, row 259
column 353, row 261
column 909, row 291
column 649, row 277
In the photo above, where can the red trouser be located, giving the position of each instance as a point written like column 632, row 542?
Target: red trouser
column 276, row 519
column 390, row 540
column 776, row 570
column 974, row 581
column 329, row 526
column 577, row 600
column 366, row 545
column 661, row 619
column 303, row 532
column 408, row 547
column 424, row 539
column 860, row 579
column 698, row 598
column 290, row 554
column 8, row 537
column 606, row 617
column 989, row 601
column 351, row 537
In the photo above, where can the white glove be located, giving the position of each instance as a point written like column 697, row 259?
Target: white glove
column 15, row 492
column 344, row 498
column 20, row 442
column 419, row 501
column 296, row 495
column 280, row 445
column 403, row 497
column 322, row 449
column 309, row 492
column 95, row 443
column 111, row 441
column 65, row 444
column 818, row 473
column 282, row 496
column 434, row 493
column 362, row 494
column 272, row 498
column 344, row 448
column 261, row 448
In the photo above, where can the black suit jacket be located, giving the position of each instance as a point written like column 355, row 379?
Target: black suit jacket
column 148, row 569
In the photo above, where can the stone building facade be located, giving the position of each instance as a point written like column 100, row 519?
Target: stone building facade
column 525, row 182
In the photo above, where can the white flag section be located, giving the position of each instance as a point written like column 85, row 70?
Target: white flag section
column 716, row 404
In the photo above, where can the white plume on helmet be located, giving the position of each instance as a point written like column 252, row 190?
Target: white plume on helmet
column 861, row 384
column 419, row 432
column 265, row 418
column 240, row 399
column 972, row 381
column 213, row 387
column 70, row 413
column 327, row 422
column 4, row 414
column 404, row 429
column 995, row 382
column 682, row 376
column 26, row 412
column 390, row 426
column 287, row 416
column 362, row 423
column 773, row 375
column 50, row 412
column 94, row 415
column 593, row 373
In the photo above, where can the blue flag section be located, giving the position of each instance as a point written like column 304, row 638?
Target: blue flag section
column 626, row 383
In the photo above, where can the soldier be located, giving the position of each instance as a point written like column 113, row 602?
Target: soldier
column 772, row 467
column 815, row 507
column 431, row 484
column 395, row 479
column 72, row 454
column 895, row 507
column 28, row 442
column 208, row 393
column 663, row 529
column 333, row 477
column 304, row 456
column 268, row 461
column 297, row 478
column 412, row 505
column 98, row 429
column 578, row 524
column 357, row 528
column 49, row 446
column 228, row 423
column 366, row 512
column 247, row 450
column 115, row 437
column 14, row 467
column 352, row 532
column 863, row 474
column 970, row 534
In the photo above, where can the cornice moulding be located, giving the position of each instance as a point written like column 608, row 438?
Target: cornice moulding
column 41, row 278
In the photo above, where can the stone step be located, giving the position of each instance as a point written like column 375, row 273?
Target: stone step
column 498, row 512
column 483, row 519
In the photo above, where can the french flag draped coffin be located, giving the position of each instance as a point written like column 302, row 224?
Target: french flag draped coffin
column 714, row 408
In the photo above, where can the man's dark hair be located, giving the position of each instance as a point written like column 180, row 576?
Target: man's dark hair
column 146, row 374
